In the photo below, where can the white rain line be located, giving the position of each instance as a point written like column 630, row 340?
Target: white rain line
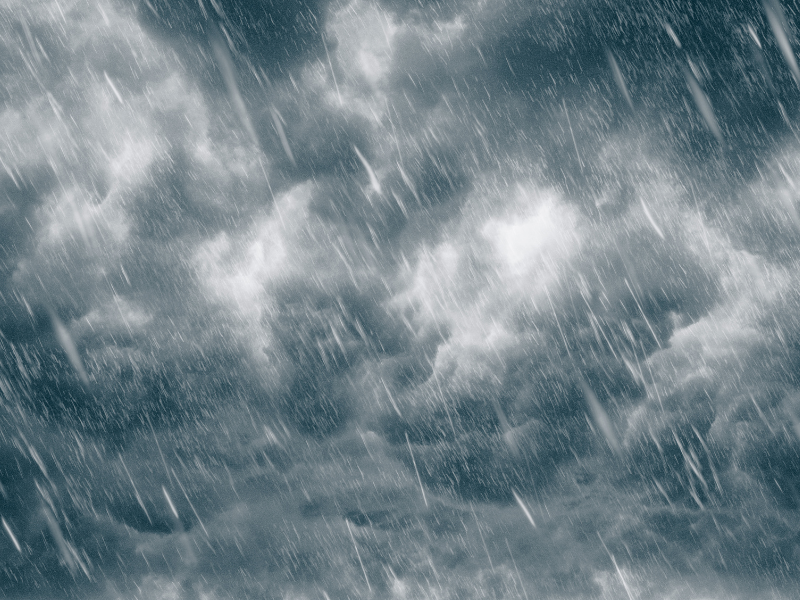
column 113, row 88
column 641, row 310
column 483, row 540
column 775, row 19
column 69, row 347
column 703, row 105
column 600, row 417
column 333, row 74
column 373, row 179
column 358, row 554
column 524, row 508
column 169, row 501
column 419, row 480
column 650, row 218
column 521, row 583
column 10, row 533
column 136, row 491
column 277, row 120
column 616, row 566
column 619, row 79
column 580, row 161
column 194, row 510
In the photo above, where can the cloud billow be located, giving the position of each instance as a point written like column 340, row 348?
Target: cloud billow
column 397, row 299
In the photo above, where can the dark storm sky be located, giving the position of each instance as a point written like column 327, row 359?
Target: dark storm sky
column 395, row 299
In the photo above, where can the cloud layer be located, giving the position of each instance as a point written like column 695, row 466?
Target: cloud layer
column 398, row 300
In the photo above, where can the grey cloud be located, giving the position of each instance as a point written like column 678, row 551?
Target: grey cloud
column 322, row 140
column 276, row 35
column 293, row 408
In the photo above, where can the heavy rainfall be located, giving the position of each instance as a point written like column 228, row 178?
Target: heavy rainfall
column 399, row 299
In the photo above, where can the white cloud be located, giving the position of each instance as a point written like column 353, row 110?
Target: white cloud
column 364, row 34
column 533, row 239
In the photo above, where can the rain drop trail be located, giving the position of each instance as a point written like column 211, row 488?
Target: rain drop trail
column 8, row 171
column 393, row 403
column 419, row 480
column 169, row 501
column 373, row 180
column 671, row 32
column 505, row 427
column 776, row 22
column 69, row 555
column 151, row 7
column 113, row 88
column 787, row 199
column 524, row 507
column 661, row 489
column 511, row 554
column 225, row 64
column 616, row 566
column 333, row 74
column 194, row 510
column 558, row 323
column 277, row 120
column 155, row 439
column 10, row 533
column 574, row 143
column 710, row 461
column 636, row 372
column 795, row 422
column 600, row 416
column 358, row 554
column 64, row 338
column 644, row 316
column 480, row 533
column 35, row 456
column 758, row 55
column 135, row 491
column 409, row 183
column 652, row 220
column 703, row 104
column 618, row 78
column 692, row 466
column 761, row 414
column 444, row 400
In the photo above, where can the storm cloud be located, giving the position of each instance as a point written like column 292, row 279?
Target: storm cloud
column 391, row 299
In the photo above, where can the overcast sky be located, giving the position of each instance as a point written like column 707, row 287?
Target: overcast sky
column 399, row 299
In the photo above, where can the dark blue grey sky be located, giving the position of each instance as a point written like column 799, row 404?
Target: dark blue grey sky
column 396, row 299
